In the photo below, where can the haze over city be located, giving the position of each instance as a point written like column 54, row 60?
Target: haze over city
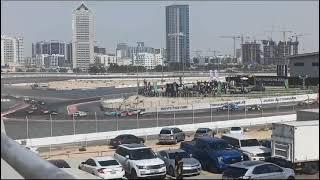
column 145, row 21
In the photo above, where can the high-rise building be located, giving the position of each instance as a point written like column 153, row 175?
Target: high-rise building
column 251, row 53
column 83, row 39
column 12, row 51
column 99, row 50
column 48, row 47
column 69, row 53
column 177, row 35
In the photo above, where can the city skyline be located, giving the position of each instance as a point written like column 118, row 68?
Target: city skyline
column 203, row 34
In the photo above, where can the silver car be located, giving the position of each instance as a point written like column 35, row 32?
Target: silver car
column 257, row 170
column 204, row 132
column 191, row 166
column 171, row 135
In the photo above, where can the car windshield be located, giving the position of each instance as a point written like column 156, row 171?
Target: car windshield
column 181, row 154
column 234, row 172
column 108, row 163
column 219, row 146
column 249, row 142
column 201, row 131
column 139, row 154
column 235, row 129
column 165, row 131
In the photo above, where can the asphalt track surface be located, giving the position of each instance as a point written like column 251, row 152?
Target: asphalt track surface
column 37, row 128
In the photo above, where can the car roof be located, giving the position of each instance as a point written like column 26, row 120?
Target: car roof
column 168, row 128
column 237, row 136
column 125, row 135
column 133, row 146
column 203, row 129
column 103, row 158
column 210, row 139
column 248, row 164
column 173, row 150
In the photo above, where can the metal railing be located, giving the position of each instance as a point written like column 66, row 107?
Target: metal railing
column 28, row 164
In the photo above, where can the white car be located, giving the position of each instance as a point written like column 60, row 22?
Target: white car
column 105, row 167
column 236, row 130
column 80, row 113
column 140, row 161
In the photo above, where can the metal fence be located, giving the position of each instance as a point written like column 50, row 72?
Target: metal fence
column 98, row 122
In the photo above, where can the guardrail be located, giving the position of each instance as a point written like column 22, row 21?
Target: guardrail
column 152, row 131
column 28, row 164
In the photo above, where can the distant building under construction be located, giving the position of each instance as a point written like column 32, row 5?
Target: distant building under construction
column 251, row 53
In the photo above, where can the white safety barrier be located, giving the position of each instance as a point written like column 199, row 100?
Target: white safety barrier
column 246, row 102
column 153, row 131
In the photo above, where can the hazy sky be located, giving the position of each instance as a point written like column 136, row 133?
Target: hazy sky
column 145, row 21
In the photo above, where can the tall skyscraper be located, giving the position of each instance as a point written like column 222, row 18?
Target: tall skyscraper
column 12, row 51
column 177, row 35
column 83, row 39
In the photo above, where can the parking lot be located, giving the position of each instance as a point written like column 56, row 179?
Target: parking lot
column 74, row 157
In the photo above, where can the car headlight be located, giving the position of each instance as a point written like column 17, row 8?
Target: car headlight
column 162, row 165
column 141, row 167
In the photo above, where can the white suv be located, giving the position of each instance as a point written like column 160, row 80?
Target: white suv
column 140, row 161
column 250, row 147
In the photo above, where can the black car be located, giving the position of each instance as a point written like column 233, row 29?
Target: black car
column 60, row 163
column 126, row 139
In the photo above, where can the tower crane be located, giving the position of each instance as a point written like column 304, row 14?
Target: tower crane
column 214, row 52
column 234, row 43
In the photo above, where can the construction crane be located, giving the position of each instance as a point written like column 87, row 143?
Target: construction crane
column 214, row 52
column 284, row 34
column 234, row 43
column 299, row 35
column 197, row 52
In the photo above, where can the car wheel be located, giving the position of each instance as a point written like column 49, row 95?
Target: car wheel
column 133, row 174
column 171, row 172
column 291, row 177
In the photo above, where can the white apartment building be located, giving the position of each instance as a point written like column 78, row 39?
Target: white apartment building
column 148, row 60
column 12, row 51
column 83, row 37
column 106, row 59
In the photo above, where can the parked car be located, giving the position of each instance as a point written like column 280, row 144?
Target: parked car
column 250, row 147
column 126, row 139
column 236, row 130
column 140, row 161
column 214, row 154
column 191, row 166
column 105, row 167
column 171, row 135
column 80, row 114
column 201, row 132
column 45, row 111
column 134, row 112
column 257, row 170
column 34, row 107
column 62, row 164
column 41, row 103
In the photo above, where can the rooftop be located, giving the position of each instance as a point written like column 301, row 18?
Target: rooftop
column 301, row 123
column 303, row 55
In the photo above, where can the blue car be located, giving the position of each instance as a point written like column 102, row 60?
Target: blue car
column 214, row 154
